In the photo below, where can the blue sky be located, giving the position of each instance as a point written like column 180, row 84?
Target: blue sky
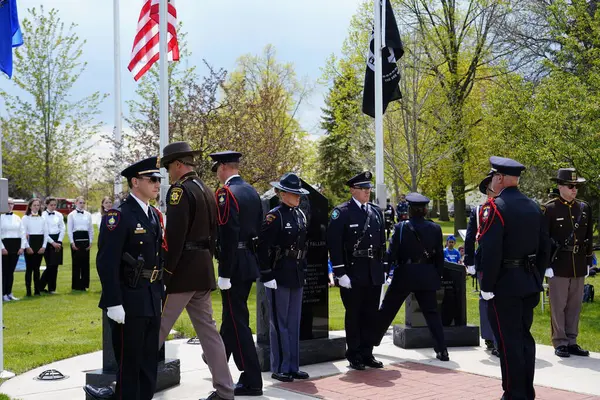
column 304, row 33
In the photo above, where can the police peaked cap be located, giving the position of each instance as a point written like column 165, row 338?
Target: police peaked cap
column 224, row 157
column 417, row 199
column 506, row 166
column 362, row 180
column 146, row 167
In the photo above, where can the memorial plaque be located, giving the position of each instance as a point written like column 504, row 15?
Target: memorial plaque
column 315, row 344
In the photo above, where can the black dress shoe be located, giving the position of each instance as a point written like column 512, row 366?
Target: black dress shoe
column 299, row 375
column 99, row 393
column 442, row 355
column 357, row 365
column 242, row 390
column 280, row 376
column 373, row 363
column 495, row 352
column 576, row 350
column 214, row 396
column 562, row 351
column 489, row 344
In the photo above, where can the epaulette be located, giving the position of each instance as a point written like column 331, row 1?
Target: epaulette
column 224, row 201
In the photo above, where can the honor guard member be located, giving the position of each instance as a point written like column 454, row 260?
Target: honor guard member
column 390, row 218
column 190, row 275
column 514, row 252
column 417, row 251
column 570, row 226
column 129, row 265
column 12, row 244
column 356, row 242
column 282, row 254
column 474, row 266
column 239, row 217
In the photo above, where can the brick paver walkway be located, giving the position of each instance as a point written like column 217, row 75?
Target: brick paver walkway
column 415, row 382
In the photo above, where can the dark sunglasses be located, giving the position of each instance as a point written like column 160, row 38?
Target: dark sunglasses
column 153, row 179
column 571, row 186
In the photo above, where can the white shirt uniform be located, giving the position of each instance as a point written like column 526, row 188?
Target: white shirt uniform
column 55, row 225
column 80, row 221
column 34, row 225
column 11, row 227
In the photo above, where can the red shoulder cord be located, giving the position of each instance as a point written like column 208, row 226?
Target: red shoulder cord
column 161, row 221
column 483, row 228
column 224, row 217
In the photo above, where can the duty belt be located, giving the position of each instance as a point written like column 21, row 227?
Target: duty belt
column 296, row 254
column 365, row 253
column 202, row 245
column 514, row 263
column 152, row 274
column 570, row 249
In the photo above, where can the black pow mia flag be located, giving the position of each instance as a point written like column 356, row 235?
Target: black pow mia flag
column 391, row 53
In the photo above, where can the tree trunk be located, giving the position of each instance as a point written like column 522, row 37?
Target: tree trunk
column 444, row 216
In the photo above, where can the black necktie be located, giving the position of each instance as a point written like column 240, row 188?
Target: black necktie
column 151, row 217
column 364, row 208
column 80, row 212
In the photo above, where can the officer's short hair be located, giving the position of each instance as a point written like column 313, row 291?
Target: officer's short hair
column 49, row 200
column 417, row 211
column 130, row 183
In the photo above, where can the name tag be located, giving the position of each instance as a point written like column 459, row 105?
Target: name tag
column 354, row 226
column 139, row 230
column 559, row 219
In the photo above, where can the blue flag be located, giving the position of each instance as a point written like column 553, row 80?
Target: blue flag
column 10, row 34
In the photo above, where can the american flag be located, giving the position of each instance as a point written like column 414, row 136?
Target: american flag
column 145, row 50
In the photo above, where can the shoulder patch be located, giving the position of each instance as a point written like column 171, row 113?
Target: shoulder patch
column 221, row 197
column 175, row 196
column 335, row 214
column 270, row 218
column 485, row 213
column 112, row 219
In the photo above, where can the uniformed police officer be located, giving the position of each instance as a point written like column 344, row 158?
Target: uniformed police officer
column 239, row 217
column 474, row 266
column 356, row 242
column 190, row 276
column 282, row 254
column 402, row 208
column 390, row 218
column 129, row 265
column 570, row 226
column 514, row 247
column 416, row 248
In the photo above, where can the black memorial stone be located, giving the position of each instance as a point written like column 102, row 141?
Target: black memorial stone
column 168, row 369
column 316, row 345
column 452, row 305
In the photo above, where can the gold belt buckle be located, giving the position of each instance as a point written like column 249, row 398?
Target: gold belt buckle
column 576, row 249
column 154, row 275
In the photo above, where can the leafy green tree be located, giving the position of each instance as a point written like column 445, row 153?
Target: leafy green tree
column 46, row 133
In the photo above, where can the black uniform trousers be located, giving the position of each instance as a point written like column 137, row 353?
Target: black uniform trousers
column 236, row 333
column 135, row 344
column 32, row 264
column 395, row 296
column 9, row 264
column 80, row 278
column 361, row 304
column 511, row 318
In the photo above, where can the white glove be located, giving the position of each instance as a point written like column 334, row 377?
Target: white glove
column 345, row 282
column 471, row 270
column 224, row 283
column 116, row 313
column 272, row 284
column 487, row 295
column 549, row 273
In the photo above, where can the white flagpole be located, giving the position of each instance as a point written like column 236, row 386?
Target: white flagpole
column 164, row 95
column 380, row 190
column 118, row 112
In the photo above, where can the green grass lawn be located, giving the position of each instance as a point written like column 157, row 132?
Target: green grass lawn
column 44, row 329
